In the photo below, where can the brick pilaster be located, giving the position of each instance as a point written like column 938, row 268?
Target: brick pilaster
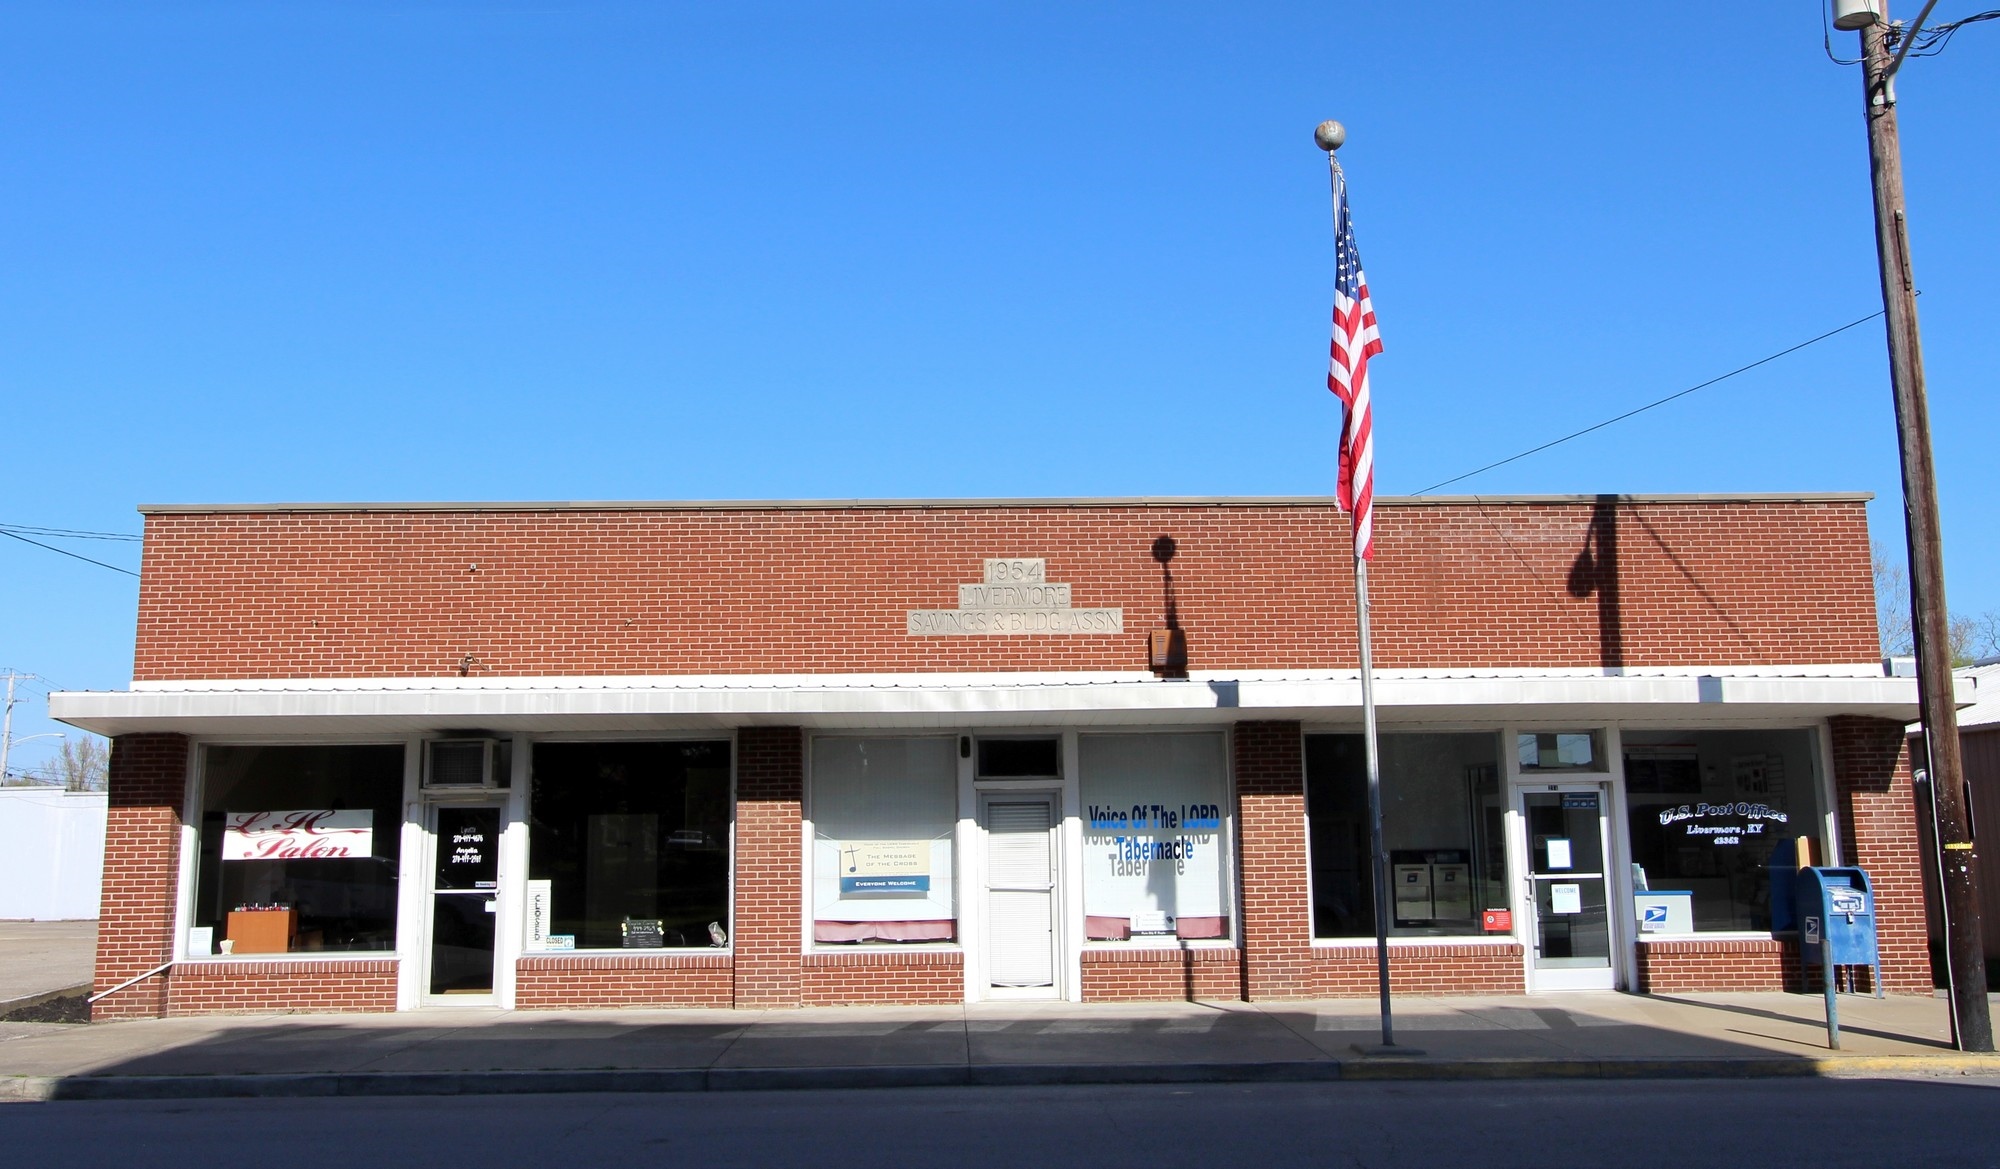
column 770, row 873
column 1271, row 860
column 1876, row 812
column 148, row 784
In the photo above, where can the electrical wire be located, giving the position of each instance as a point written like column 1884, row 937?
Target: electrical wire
column 1931, row 41
column 68, row 533
column 1826, row 37
column 64, row 552
column 1653, row 404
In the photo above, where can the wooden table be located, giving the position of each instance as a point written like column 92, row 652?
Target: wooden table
column 262, row 931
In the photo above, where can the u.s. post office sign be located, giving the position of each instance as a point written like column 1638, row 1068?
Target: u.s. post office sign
column 1016, row 597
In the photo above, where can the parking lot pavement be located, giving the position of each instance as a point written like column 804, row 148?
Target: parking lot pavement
column 41, row 957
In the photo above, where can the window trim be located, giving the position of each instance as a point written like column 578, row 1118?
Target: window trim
column 1427, row 942
column 524, row 787
column 1826, row 838
column 190, row 850
column 1603, row 743
column 1501, row 774
column 1227, row 837
column 809, row 916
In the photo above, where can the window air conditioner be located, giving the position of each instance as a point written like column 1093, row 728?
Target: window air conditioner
column 460, row 764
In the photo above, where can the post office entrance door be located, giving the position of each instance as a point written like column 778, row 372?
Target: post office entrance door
column 465, row 887
column 1567, row 899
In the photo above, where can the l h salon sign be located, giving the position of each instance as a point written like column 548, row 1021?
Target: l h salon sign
column 304, row 834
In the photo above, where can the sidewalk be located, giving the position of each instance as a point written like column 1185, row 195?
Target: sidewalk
column 463, row 1051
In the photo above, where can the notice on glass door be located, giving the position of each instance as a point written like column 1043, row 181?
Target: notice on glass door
column 1565, row 898
column 1559, row 857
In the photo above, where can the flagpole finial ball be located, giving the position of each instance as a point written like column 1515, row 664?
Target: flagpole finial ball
column 1330, row 136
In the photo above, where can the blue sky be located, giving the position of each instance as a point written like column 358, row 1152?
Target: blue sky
column 610, row 251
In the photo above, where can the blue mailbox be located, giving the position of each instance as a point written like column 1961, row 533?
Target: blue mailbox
column 1836, row 916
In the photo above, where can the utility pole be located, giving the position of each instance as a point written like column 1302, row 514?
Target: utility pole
column 7, row 724
column 1972, row 1027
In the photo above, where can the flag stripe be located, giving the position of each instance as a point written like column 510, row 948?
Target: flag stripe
column 1355, row 341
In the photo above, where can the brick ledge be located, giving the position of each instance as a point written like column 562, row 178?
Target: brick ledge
column 695, row 961
column 1467, row 949
column 208, row 968
column 822, row 959
column 1686, row 945
column 1161, row 955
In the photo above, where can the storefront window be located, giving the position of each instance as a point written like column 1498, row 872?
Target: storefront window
column 1442, row 826
column 1153, row 840
column 298, row 850
column 1710, row 813
column 628, row 845
column 883, row 814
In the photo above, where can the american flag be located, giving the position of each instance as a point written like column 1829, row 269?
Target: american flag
column 1354, row 342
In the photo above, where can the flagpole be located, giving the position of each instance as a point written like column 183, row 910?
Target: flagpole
column 1378, row 858
column 1330, row 136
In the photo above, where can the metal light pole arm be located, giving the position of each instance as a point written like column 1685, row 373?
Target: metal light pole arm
column 1909, row 39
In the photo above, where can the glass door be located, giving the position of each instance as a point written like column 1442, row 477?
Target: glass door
column 1568, row 894
column 465, row 884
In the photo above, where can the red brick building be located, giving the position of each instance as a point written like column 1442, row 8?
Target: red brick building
column 552, row 755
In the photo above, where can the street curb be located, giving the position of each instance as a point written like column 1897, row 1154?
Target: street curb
column 1694, row 1068
column 731, row 1079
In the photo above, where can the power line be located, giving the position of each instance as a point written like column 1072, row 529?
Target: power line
column 1932, row 41
column 1929, row 42
column 69, row 533
column 64, row 552
column 1650, row 405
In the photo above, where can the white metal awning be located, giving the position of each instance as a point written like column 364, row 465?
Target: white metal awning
column 350, row 706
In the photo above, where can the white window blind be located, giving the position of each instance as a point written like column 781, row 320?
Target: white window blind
column 1020, row 895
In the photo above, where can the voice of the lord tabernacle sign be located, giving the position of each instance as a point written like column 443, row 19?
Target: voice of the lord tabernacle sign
column 1015, row 597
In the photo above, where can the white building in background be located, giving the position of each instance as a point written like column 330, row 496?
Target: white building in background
column 51, row 854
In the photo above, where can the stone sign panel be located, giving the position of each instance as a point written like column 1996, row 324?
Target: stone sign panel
column 1016, row 596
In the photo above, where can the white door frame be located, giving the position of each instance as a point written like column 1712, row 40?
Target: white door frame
column 1611, row 974
column 1059, row 956
column 500, row 803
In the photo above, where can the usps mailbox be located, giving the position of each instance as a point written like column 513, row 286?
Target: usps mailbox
column 1836, row 916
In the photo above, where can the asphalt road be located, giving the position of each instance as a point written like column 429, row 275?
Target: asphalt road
column 1826, row 1124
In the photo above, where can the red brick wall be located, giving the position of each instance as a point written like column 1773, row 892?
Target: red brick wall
column 1270, row 772
column 1720, row 964
column 200, row 988
column 1875, row 808
column 1350, row 971
column 691, row 591
column 1204, row 974
column 840, row 978
column 770, row 870
column 653, row 980
column 135, row 931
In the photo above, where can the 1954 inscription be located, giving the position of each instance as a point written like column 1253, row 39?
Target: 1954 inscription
column 1016, row 597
